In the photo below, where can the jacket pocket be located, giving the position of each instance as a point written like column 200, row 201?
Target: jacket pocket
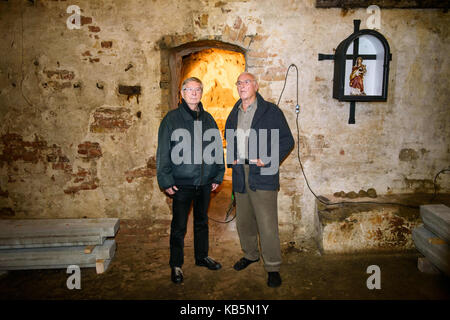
column 184, row 171
column 257, row 178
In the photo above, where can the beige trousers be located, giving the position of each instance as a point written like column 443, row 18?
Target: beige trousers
column 257, row 213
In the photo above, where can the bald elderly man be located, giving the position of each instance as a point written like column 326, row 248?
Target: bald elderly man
column 258, row 140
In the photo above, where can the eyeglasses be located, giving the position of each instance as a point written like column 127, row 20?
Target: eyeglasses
column 190, row 90
column 245, row 82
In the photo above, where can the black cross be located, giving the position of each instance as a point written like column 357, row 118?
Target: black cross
column 354, row 56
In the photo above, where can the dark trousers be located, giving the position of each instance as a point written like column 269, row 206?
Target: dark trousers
column 182, row 200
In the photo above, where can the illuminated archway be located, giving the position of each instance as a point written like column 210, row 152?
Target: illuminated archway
column 218, row 69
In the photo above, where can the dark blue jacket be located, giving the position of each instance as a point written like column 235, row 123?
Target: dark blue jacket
column 170, row 174
column 267, row 116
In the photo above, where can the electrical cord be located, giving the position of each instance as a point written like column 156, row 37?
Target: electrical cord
column 434, row 182
column 231, row 206
column 233, row 201
column 328, row 203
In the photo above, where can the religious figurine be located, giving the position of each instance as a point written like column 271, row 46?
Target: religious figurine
column 357, row 78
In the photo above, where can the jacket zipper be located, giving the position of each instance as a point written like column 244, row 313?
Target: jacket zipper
column 201, row 166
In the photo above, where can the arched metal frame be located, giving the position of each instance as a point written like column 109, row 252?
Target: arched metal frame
column 340, row 58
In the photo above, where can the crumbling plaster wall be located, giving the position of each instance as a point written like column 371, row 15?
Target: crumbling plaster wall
column 72, row 146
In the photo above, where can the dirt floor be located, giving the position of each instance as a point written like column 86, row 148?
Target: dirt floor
column 140, row 271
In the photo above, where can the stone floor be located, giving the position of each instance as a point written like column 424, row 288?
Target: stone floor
column 140, row 271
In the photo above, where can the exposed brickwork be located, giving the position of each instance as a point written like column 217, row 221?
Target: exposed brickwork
column 89, row 150
column 85, row 20
column 57, row 85
column 111, row 120
column 106, row 44
column 274, row 74
column 95, row 60
column 58, row 79
column 148, row 171
column 14, row 148
column 84, row 180
column 94, row 29
column 58, row 160
column 60, row 74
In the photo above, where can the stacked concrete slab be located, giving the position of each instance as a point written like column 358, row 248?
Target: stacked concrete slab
column 57, row 243
column 432, row 238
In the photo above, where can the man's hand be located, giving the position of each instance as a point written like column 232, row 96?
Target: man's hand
column 258, row 162
column 171, row 191
column 214, row 186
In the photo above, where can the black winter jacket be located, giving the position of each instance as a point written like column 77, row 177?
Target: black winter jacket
column 169, row 173
column 267, row 116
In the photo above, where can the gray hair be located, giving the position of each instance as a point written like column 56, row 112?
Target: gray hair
column 191, row 79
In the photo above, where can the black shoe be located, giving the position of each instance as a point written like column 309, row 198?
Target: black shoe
column 274, row 279
column 177, row 275
column 209, row 263
column 243, row 263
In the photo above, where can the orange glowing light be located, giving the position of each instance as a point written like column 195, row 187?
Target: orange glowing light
column 218, row 69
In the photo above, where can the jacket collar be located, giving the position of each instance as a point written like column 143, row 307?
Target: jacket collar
column 262, row 108
column 187, row 113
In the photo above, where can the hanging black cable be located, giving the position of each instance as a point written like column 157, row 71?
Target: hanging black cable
column 435, row 184
column 231, row 207
column 327, row 203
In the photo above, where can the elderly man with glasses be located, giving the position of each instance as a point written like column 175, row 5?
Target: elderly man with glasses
column 252, row 155
column 191, row 180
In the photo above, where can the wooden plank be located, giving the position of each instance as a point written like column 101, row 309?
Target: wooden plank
column 102, row 265
column 88, row 249
column 436, row 241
